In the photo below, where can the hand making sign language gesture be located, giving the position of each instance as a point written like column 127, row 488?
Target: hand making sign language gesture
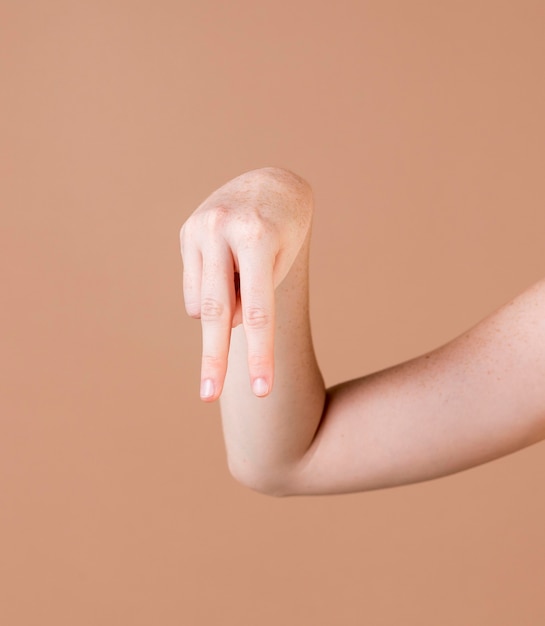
column 237, row 247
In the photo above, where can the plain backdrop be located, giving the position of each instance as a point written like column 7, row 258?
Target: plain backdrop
column 420, row 126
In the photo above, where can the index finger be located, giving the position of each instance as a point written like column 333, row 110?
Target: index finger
column 257, row 300
column 217, row 307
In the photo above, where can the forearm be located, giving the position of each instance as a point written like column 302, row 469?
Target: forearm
column 477, row 398
column 266, row 438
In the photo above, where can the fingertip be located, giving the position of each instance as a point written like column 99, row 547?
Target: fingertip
column 261, row 387
column 207, row 390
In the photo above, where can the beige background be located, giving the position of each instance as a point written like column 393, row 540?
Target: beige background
column 420, row 126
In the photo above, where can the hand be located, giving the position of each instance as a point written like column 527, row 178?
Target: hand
column 237, row 247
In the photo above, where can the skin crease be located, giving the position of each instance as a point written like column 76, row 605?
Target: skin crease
column 477, row 398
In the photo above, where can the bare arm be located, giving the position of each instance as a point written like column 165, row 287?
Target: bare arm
column 477, row 398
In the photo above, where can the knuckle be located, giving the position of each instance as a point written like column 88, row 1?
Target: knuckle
column 211, row 309
column 244, row 225
column 257, row 317
column 207, row 220
column 255, row 228
column 216, row 218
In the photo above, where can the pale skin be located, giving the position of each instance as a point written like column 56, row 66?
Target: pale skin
column 477, row 398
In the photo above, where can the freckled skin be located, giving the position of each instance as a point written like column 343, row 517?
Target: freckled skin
column 477, row 398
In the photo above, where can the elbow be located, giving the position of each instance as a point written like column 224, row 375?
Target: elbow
column 266, row 481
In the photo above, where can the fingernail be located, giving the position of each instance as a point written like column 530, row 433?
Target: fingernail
column 207, row 388
column 260, row 387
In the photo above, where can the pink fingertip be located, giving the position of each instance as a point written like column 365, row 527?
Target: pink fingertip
column 260, row 387
column 207, row 388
